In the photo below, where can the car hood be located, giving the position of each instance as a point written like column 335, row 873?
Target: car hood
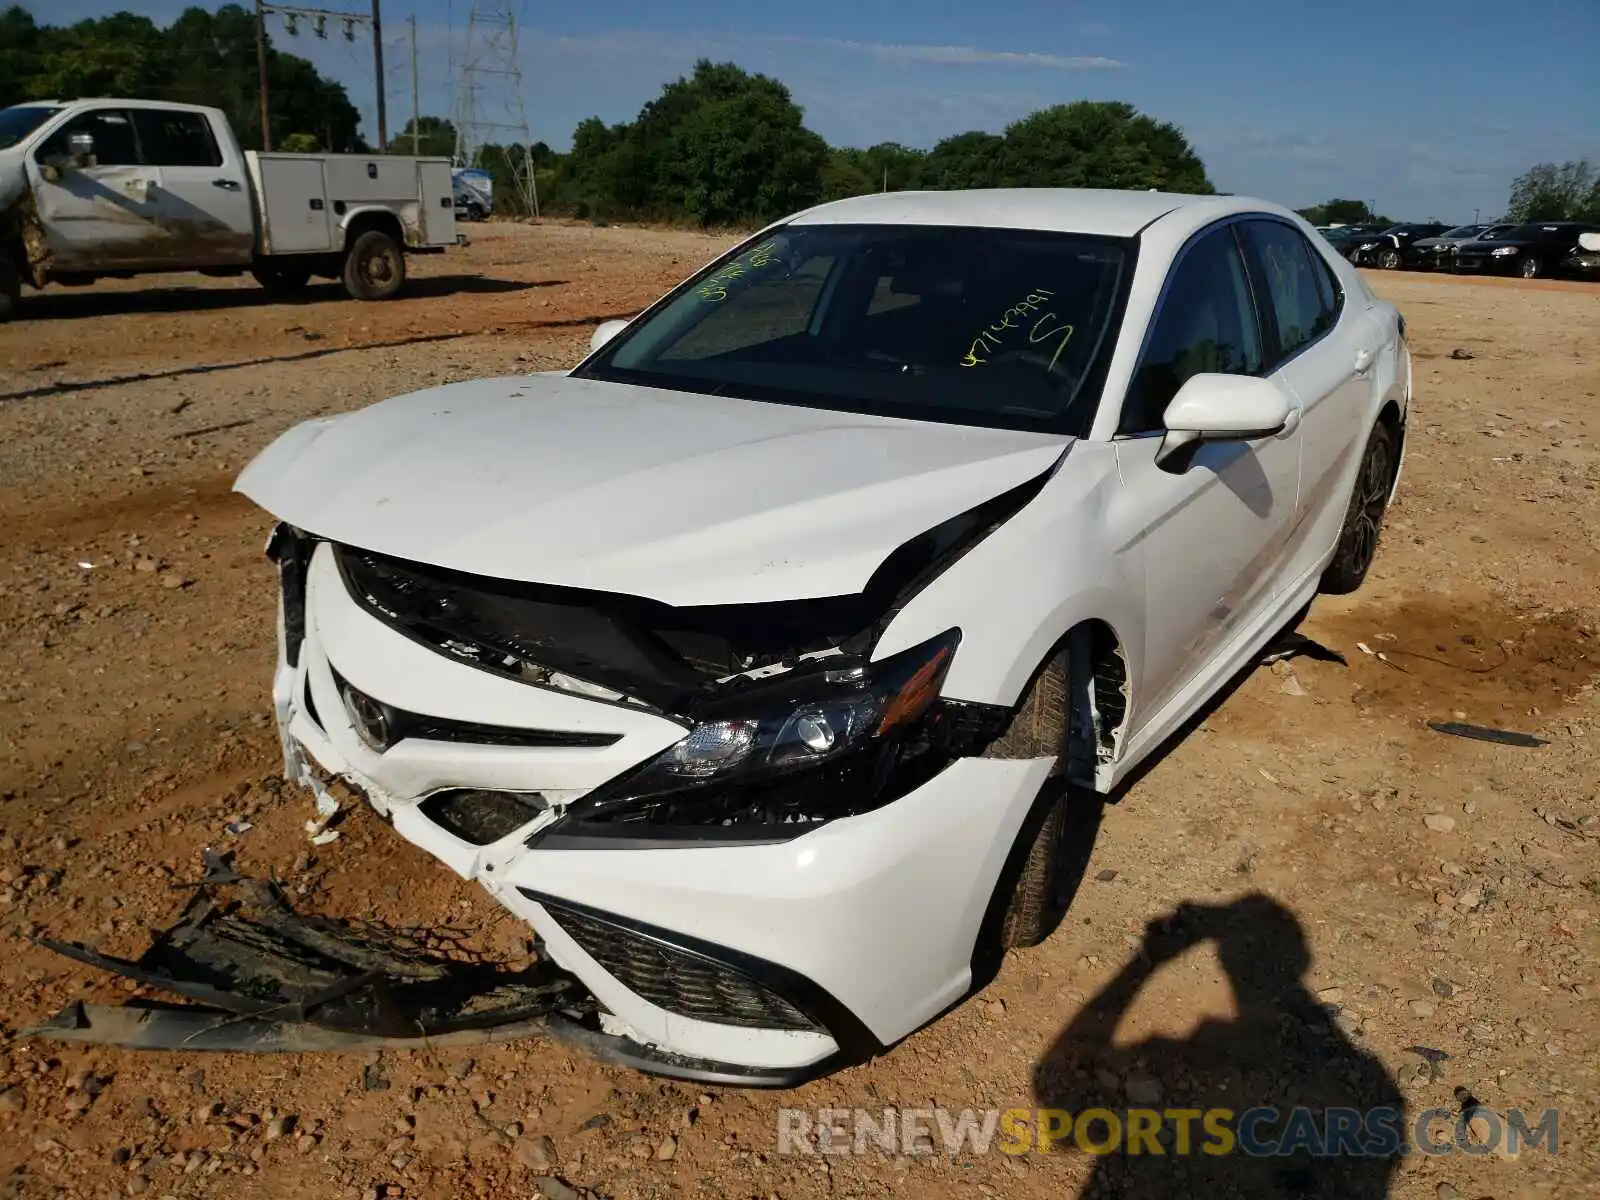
column 682, row 498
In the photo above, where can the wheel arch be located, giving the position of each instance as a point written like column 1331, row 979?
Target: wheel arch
column 365, row 220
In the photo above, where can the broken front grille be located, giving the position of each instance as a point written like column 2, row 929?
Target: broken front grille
column 678, row 980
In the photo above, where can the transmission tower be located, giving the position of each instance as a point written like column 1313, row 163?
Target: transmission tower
column 489, row 103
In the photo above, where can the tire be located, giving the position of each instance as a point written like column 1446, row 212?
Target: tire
column 282, row 279
column 1529, row 268
column 1060, row 830
column 1363, row 519
column 10, row 289
column 375, row 268
column 1389, row 260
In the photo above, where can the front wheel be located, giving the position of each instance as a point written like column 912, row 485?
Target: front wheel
column 1363, row 520
column 1389, row 260
column 375, row 268
column 1530, row 267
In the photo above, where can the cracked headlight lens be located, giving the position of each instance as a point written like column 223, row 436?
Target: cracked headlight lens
column 790, row 725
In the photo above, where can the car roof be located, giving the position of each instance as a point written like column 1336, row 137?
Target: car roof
column 1103, row 211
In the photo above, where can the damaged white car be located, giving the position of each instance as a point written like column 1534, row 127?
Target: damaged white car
column 757, row 661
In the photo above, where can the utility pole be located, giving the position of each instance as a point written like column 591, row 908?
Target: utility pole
column 319, row 18
column 416, row 130
column 377, row 70
column 261, row 72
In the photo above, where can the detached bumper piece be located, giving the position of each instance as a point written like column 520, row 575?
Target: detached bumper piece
column 262, row 977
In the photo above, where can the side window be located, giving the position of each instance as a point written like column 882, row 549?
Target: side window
column 1206, row 323
column 114, row 141
column 176, row 139
column 1294, row 291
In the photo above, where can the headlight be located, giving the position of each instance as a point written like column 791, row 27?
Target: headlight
column 1503, row 251
column 805, row 748
column 1367, row 246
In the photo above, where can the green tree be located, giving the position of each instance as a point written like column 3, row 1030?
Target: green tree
column 1343, row 212
column 1547, row 192
column 720, row 146
column 201, row 58
column 1102, row 144
column 967, row 160
column 435, row 137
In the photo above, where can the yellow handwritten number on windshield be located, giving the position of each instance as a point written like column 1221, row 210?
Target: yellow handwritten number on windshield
column 1039, row 334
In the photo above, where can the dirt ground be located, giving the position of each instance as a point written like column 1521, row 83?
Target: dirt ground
column 1440, row 893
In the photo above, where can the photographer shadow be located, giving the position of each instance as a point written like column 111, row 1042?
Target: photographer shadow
column 1283, row 1051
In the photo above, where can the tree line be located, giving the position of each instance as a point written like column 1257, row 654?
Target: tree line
column 721, row 146
column 201, row 58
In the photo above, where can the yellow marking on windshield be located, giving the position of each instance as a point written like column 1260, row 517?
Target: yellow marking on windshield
column 715, row 289
column 992, row 337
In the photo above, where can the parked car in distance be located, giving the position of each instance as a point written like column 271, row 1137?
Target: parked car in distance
column 1384, row 249
column 1345, row 238
column 767, row 662
column 1438, row 253
column 1538, row 248
column 1584, row 261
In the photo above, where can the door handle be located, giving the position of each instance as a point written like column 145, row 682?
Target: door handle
column 1364, row 361
column 227, row 185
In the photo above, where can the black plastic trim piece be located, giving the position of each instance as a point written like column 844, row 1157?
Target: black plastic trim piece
column 856, row 1042
column 403, row 724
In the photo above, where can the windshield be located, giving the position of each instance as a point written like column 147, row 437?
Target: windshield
column 1464, row 231
column 17, row 123
column 994, row 327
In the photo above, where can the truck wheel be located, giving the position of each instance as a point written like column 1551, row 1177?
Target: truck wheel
column 282, row 279
column 10, row 289
column 375, row 268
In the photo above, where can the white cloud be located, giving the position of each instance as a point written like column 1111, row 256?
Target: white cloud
column 632, row 43
column 962, row 55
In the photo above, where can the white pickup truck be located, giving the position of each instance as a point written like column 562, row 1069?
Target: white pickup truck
column 96, row 188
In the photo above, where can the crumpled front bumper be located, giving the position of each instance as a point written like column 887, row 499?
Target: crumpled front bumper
column 866, row 925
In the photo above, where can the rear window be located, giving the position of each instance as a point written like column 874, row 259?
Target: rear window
column 993, row 327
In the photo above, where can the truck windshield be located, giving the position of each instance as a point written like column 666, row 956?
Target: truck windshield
column 17, row 123
column 1003, row 328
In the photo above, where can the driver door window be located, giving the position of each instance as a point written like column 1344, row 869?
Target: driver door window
column 114, row 142
column 1206, row 323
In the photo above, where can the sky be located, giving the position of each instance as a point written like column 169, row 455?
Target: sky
column 1426, row 108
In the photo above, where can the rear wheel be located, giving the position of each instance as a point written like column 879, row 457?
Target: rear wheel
column 282, row 279
column 1363, row 520
column 375, row 268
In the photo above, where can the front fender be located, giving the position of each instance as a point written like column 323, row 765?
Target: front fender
column 1018, row 592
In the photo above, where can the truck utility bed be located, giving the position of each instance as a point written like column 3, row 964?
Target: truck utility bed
column 304, row 198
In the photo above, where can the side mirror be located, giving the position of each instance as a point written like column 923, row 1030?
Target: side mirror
column 80, row 146
column 1223, row 408
column 604, row 332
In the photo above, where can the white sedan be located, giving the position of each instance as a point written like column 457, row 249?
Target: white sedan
column 760, row 661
